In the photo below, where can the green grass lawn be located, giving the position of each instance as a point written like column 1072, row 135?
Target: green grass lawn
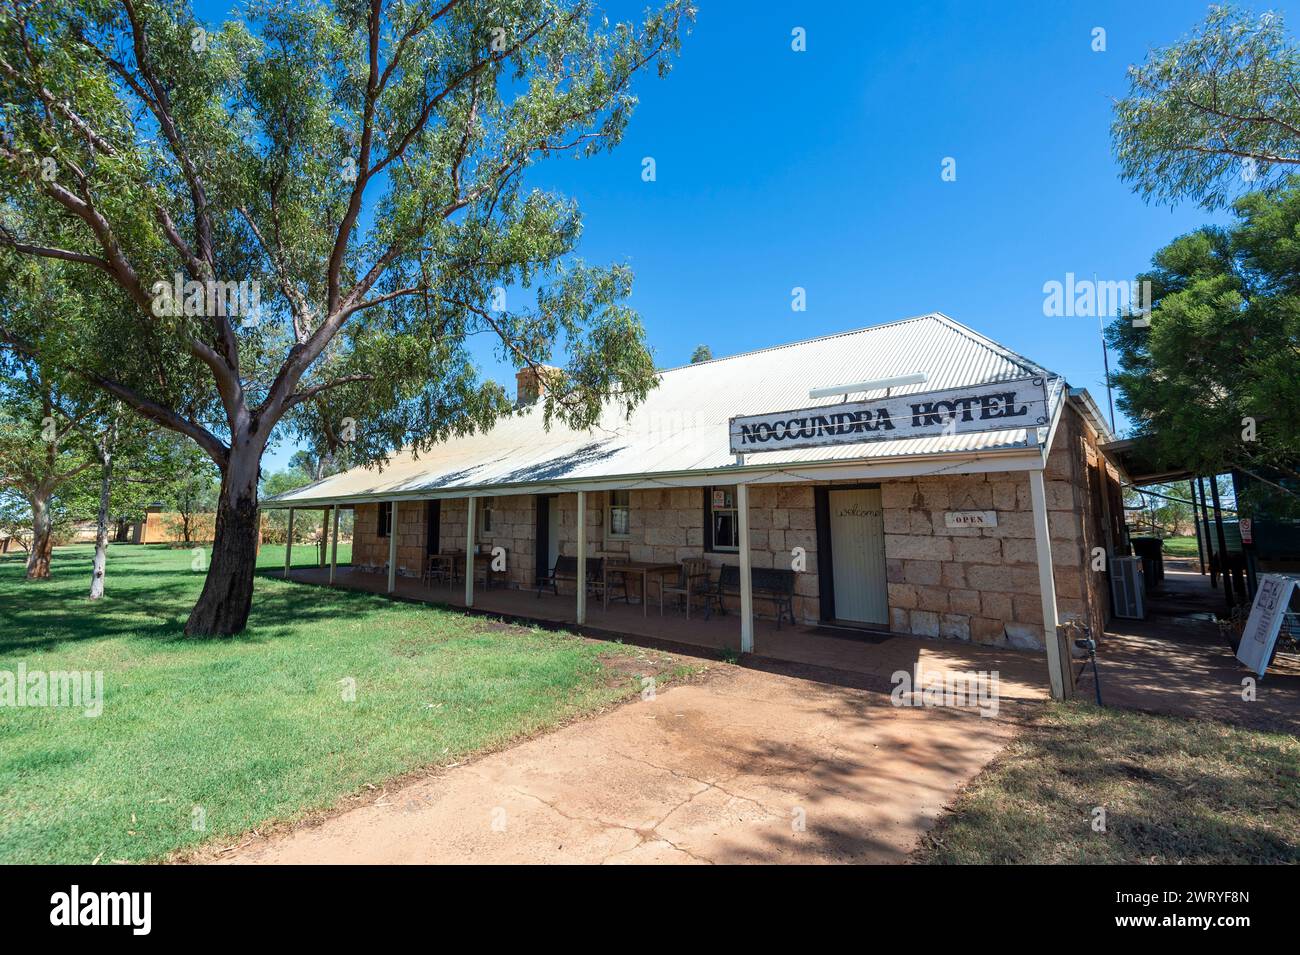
column 1179, row 546
column 233, row 733
column 1173, row 790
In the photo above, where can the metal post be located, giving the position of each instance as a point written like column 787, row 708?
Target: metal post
column 1223, row 544
column 1196, row 522
column 334, row 547
column 288, row 546
column 1209, row 543
column 470, row 509
column 582, row 557
column 1057, row 669
column 746, row 573
column 392, row 547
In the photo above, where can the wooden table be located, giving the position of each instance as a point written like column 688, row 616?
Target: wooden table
column 645, row 569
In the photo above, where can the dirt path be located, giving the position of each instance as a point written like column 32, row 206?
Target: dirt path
column 744, row 766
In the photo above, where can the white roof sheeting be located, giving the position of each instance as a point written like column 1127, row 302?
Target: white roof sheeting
column 682, row 425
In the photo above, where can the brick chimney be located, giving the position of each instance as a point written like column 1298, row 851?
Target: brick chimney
column 529, row 383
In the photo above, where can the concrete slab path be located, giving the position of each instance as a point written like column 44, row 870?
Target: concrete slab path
column 741, row 766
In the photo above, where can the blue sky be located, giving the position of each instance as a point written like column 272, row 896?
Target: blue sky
column 821, row 169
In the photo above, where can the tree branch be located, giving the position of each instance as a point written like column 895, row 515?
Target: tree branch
column 308, row 393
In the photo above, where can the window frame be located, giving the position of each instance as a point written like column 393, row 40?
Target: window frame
column 384, row 528
column 710, row 546
column 609, row 515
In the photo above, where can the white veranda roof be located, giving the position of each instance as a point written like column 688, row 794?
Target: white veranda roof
column 681, row 428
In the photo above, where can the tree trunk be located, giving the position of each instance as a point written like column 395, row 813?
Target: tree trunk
column 101, row 518
column 227, row 596
column 38, row 558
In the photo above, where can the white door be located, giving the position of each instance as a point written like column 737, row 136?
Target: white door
column 858, row 555
column 552, row 531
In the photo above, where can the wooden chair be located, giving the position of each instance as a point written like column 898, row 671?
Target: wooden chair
column 693, row 582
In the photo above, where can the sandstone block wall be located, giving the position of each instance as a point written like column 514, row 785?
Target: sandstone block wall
column 972, row 584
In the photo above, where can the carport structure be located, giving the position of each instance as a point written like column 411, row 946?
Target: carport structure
column 1235, row 542
column 917, row 524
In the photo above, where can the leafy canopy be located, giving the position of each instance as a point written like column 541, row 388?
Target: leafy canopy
column 364, row 164
column 1215, row 380
column 1215, row 114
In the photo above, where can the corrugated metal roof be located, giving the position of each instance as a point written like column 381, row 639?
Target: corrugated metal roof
column 682, row 425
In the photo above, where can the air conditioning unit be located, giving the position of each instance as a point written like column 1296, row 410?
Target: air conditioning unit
column 1127, row 588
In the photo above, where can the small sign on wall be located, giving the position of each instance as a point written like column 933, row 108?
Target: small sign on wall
column 970, row 518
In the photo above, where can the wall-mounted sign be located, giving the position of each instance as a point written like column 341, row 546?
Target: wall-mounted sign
column 1265, row 620
column 1247, row 530
column 1021, row 403
column 970, row 518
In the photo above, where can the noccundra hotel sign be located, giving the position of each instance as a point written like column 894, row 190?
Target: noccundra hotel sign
column 1021, row 403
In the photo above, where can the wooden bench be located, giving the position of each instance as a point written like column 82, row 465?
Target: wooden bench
column 768, row 583
column 566, row 568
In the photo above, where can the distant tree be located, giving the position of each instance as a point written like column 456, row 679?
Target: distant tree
column 46, row 448
column 106, row 447
column 1214, row 381
column 194, row 491
column 314, row 465
column 92, row 458
column 701, row 353
column 1165, row 508
column 281, row 482
column 1215, row 114
column 132, row 458
column 363, row 163
column 15, row 520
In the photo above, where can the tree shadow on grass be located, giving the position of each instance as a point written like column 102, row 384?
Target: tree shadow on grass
column 45, row 619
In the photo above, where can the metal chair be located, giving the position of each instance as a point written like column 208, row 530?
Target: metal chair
column 436, row 570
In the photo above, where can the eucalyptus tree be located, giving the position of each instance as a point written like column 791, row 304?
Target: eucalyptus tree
column 1215, row 114
column 320, row 198
column 46, row 447
column 1212, row 378
column 139, row 463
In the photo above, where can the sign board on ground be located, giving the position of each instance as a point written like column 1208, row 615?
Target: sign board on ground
column 1002, row 406
column 1271, row 602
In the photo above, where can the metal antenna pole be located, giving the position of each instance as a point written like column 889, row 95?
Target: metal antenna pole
column 1105, row 359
